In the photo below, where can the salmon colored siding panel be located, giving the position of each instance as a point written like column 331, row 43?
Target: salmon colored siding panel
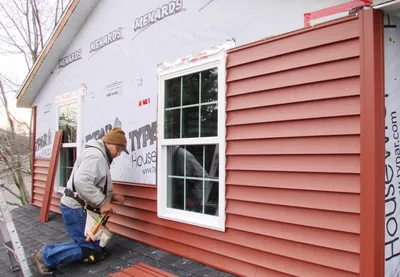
column 296, row 163
column 319, row 237
column 42, row 162
column 309, row 92
column 310, row 145
column 244, row 253
column 347, row 183
column 136, row 191
column 309, row 57
column 318, row 200
column 306, row 110
column 40, row 170
column 293, row 151
column 317, row 73
column 330, row 220
column 349, row 125
column 39, row 178
column 148, row 205
column 295, row 42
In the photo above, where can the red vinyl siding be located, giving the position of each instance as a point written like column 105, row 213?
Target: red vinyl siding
column 293, row 151
column 293, row 163
column 40, row 172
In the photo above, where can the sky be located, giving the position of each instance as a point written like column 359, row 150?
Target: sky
column 14, row 67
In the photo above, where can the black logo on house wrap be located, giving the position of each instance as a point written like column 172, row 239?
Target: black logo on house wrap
column 114, row 88
column 98, row 134
column 44, row 140
column 150, row 18
column 70, row 58
column 105, row 40
column 43, row 145
column 47, row 108
column 140, row 139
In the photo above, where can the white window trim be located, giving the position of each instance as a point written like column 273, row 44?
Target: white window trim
column 202, row 220
column 79, row 135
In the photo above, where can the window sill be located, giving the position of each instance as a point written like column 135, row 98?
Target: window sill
column 201, row 220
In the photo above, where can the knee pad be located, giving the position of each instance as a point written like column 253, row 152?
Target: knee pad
column 91, row 256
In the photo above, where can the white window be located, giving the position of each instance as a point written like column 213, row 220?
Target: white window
column 68, row 119
column 191, row 143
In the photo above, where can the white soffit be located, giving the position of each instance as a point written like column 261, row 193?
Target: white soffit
column 389, row 7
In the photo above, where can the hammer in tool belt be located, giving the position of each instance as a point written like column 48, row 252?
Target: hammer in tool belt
column 92, row 234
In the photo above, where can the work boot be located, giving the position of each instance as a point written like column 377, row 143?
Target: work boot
column 38, row 262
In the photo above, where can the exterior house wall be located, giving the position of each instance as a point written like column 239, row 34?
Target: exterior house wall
column 293, row 132
column 293, row 150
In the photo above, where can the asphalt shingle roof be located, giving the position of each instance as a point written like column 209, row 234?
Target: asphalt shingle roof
column 123, row 252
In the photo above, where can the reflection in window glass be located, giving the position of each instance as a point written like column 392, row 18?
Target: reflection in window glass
column 67, row 160
column 190, row 89
column 190, row 122
column 209, row 85
column 209, row 120
column 192, row 96
column 67, row 121
column 172, row 124
column 173, row 93
column 212, row 160
column 190, row 186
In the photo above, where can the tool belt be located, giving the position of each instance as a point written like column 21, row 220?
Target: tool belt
column 90, row 208
column 74, row 196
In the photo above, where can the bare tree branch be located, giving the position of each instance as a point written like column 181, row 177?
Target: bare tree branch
column 10, row 37
column 10, row 191
column 13, row 204
column 38, row 21
column 13, row 21
column 24, row 27
column 8, row 80
column 6, row 107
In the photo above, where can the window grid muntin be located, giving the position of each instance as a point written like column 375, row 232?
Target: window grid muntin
column 186, row 178
column 200, row 104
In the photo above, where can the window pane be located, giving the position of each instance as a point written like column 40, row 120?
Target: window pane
column 187, row 182
column 175, row 193
column 175, row 177
column 209, row 85
column 212, row 161
column 194, row 195
column 194, row 161
column 174, row 155
column 209, row 120
column 172, row 124
column 67, row 121
column 190, row 89
column 173, row 92
column 211, row 198
column 190, row 122
column 67, row 160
